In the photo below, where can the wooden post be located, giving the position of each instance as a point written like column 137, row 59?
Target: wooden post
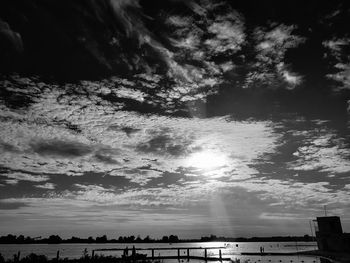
column 93, row 254
column 220, row 256
column 18, row 255
column 152, row 253
column 178, row 254
column 58, row 255
column 205, row 254
column 188, row 254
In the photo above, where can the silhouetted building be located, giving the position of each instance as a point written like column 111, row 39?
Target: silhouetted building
column 330, row 236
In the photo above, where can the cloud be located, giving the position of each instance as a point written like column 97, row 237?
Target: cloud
column 323, row 153
column 337, row 49
column 179, row 21
column 13, row 38
column 336, row 46
column 244, row 203
column 11, row 181
column 48, row 186
column 106, row 155
column 60, row 148
column 321, row 148
column 19, row 176
column 8, row 147
column 270, row 69
column 282, row 216
column 140, row 176
column 165, row 142
column 291, row 78
column 219, row 31
column 111, row 140
column 147, row 155
column 229, row 35
column 343, row 76
column 131, row 22
column 12, row 205
column 114, row 152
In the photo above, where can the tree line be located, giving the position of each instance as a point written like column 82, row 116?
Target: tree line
column 56, row 239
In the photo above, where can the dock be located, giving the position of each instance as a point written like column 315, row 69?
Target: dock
column 187, row 255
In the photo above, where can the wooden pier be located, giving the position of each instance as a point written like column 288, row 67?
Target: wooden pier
column 187, row 255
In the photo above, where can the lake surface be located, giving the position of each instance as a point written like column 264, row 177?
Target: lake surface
column 232, row 250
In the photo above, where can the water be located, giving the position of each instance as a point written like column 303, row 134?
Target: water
column 232, row 250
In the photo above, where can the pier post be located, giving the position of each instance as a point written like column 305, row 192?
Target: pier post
column 205, row 254
column 152, row 253
column 220, row 256
column 133, row 254
column 178, row 254
column 93, row 254
column 57, row 255
column 18, row 255
column 188, row 254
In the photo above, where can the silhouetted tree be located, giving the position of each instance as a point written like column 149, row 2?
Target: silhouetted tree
column 130, row 239
column 20, row 239
column 147, row 239
column 54, row 239
column 102, row 239
column 173, row 238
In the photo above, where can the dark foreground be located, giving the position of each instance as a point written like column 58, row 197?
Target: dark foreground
column 33, row 258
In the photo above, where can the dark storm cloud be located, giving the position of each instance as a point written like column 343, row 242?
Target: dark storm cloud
column 58, row 148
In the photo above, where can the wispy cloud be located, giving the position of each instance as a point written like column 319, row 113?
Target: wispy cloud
column 270, row 69
column 337, row 50
column 19, row 176
column 49, row 186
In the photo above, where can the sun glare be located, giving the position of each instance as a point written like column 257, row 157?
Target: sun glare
column 206, row 160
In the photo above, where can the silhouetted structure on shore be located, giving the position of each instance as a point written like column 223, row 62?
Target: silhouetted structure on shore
column 330, row 236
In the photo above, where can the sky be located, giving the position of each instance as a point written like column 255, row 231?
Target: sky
column 232, row 119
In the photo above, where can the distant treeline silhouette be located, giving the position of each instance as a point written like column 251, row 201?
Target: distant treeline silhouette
column 55, row 239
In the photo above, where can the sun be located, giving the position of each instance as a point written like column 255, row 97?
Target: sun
column 206, row 160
